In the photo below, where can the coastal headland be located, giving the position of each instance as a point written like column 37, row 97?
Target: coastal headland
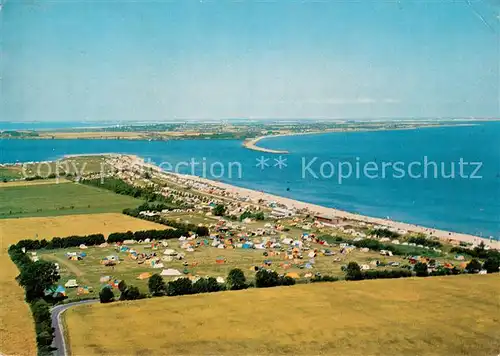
column 251, row 144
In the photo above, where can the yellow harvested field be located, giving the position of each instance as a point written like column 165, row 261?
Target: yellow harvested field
column 17, row 334
column 454, row 315
column 13, row 230
column 16, row 325
column 20, row 183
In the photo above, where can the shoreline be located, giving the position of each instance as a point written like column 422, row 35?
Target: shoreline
column 253, row 196
column 251, row 144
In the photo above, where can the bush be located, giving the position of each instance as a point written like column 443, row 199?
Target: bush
column 491, row 265
column 286, row 281
column 43, row 326
column 420, row 269
column 353, row 272
column 474, row 266
column 156, row 285
column 236, row 279
column 266, row 278
column 422, row 240
column 36, row 277
column 40, row 310
column 445, row 271
column 326, row 278
column 206, row 285
column 106, row 295
column 384, row 233
column 256, row 216
column 121, row 187
column 377, row 274
column 122, row 286
column 180, row 286
column 219, row 210
column 131, row 293
column 477, row 252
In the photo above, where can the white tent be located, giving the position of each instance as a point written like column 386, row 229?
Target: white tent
column 169, row 252
column 171, row 272
column 71, row 283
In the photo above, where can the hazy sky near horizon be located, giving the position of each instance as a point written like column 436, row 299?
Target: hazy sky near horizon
column 159, row 60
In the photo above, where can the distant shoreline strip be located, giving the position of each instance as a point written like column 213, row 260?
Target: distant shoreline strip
column 251, row 144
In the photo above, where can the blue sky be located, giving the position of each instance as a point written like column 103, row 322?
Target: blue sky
column 164, row 60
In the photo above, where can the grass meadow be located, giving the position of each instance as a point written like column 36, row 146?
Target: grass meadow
column 455, row 315
column 201, row 262
column 59, row 199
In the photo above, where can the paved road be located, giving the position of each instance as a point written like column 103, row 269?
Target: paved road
column 59, row 341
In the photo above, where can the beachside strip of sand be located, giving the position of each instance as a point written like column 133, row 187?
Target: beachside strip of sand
column 255, row 196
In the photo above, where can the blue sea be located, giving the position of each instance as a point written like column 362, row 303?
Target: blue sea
column 446, row 178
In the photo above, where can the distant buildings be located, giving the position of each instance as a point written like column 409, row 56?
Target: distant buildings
column 280, row 213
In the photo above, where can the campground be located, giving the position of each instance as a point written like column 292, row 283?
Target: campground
column 204, row 261
column 453, row 315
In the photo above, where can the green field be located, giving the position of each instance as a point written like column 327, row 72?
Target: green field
column 74, row 165
column 10, row 173
column 202, row 262
column 60, row 199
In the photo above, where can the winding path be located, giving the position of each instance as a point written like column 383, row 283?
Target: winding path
column 59, row 341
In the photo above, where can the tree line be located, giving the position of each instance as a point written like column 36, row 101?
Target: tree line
column 353, row 272
column 236, row 280
column 121, row 187
column 146, row 234
column 479, row 251
column 36, row 278
column 372, row 244
column 97, row 239
column 62, row 242
column 186, row 228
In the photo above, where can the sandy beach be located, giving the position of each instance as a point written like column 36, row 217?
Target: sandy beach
column 255, row 196
column 252, row 145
